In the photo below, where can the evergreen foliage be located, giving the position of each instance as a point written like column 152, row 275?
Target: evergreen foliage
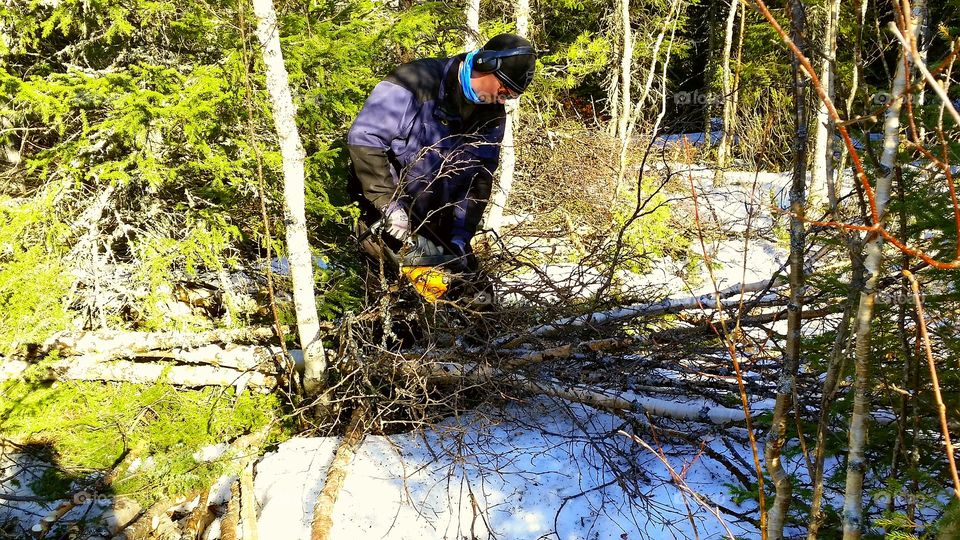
column 130, row 171
column 89, row 426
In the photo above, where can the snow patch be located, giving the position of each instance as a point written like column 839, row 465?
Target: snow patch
column 541, row 468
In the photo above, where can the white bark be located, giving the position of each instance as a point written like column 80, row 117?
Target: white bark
column 667, row 305
column 626, row 68
column 822, row 166
column 853, row 521
column 508, row 155
column 291, row 149
column 94, row 368
column 248, row 504
column 726, row 79
column 647, row 86
column 470, row 42
column 695, row 409
column 120, row 343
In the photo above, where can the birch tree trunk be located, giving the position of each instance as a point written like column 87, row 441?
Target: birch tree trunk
column 508, row 155
column 833, row 187
column 626, row 67
column 291, row 150
column 853, row 521
column 822, row 166
column 728, row 115
column 644, row 94
column 782, row 412
column 470, row 42
column 710, row 71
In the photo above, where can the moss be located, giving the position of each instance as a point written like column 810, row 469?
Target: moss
column 90, row 425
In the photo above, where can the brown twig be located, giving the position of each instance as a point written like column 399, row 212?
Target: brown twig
column 941, row 408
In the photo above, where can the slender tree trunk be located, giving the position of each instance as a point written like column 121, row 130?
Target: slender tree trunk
column 710, row 72
column 626, row 68
column 840, row 345
column 471, row 40
column 853, row 520
column 613, row 98
column 726, row 78
column 836, row 184
column 822, row 166
column 648, row 85
column 838, row 356
column 508, row 153
column 730, row 128
column 294, row 189
column 776, row 518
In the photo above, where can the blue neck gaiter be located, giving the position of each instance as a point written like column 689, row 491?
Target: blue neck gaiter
column 465, row 70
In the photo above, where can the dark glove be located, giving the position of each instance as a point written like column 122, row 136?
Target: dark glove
column 420, row 249
column 465, row 260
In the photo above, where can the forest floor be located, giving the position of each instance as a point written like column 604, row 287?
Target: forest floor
column 520, row 467
column 544, row 467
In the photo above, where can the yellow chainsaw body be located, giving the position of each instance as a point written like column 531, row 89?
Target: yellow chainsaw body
column 430, row 282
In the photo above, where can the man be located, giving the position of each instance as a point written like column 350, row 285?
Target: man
column 424, row 149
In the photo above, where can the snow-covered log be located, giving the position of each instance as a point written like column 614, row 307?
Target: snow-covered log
column 698, row 409
column 665, row 306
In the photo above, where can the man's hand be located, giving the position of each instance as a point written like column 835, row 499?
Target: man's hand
column 419, row 246
column 414, row 249
column 396, row 223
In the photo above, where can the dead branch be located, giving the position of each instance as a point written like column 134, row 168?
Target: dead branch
column 479, row 374
column 663, row 307
column 336, row 474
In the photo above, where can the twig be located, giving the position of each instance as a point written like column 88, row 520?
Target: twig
column 919, row 63
column 941, row 408
column 680, row 482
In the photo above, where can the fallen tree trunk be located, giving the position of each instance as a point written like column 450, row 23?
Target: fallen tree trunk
column 456, row 373
column 91, row 368
column 121, row 343
column 663, row 307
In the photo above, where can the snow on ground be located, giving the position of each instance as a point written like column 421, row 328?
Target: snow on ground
column 544, row 468
column 534, row 470
column 746, row 201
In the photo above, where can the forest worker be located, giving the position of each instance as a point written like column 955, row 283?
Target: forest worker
column 424, row 148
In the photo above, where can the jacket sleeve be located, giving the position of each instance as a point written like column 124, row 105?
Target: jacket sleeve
column 469, row 210
column 387, row 116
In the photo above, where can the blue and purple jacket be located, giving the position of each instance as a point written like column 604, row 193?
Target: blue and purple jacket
column 420, row 143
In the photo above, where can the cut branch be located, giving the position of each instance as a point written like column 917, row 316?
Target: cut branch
column 336, row 474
